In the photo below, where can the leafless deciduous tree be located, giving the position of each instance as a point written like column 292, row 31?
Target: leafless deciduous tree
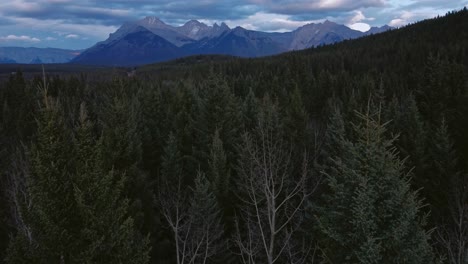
column 17, row 195
column 272, row 199
column 194, row 219
column 454, row 235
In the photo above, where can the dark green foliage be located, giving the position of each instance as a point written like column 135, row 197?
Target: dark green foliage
column 171, row 168
column 71, row 209
column 154, row 130
column 249, row 110
column 219, row 172
column 50, row 211
column 122, row 151
column 334, row 136
column 442, row 173
column 107, row 231
column 219, row 111
column 447, row 192
column 370, row 214
column 183, row 110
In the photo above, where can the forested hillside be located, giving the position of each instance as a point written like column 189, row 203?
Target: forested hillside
column 351, row 153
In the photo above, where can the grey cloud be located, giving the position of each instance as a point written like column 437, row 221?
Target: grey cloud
column 111, row 12
column 435, row 4
column 308, row 8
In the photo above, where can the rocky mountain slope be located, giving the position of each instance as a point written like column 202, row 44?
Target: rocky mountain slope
column 132, row 44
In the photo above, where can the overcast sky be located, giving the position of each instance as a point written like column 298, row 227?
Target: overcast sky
column 78, row 24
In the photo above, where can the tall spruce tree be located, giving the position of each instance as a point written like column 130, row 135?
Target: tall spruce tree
column 122, row 152
column 50, row 215
column 107, row 234
column 219, row 111
column 370, row 214
column 219, row 173
column 249, row 110
column 448, row 195
column 412, row 141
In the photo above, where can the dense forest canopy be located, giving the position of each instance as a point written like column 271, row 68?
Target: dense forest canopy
column 355, row 152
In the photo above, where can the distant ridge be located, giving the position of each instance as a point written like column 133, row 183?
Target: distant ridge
column 36, row 55
column 195, row 38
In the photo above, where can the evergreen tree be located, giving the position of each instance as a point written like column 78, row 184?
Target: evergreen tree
column 184, row 109
column 249, row 110
column 447, row 192
column 219, row 111
column 370, row 214
column 154, row 128
column 442, row 172
column 219, row 172
column 107, row 232
column 50, row 214
column 408, row 123
column 333, row 138
column 219, row 176
column 122, row 152
column 297, row 127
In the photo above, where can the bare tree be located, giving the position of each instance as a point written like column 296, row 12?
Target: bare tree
column 245, row 240
column 454, row 236
column 174, row 206
column 272, row 200
column 17, row 195
column 194, row 219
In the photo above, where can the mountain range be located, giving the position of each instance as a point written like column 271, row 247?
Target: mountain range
column 151, row 40
column 10, row 55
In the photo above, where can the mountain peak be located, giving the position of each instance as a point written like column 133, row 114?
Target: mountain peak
column 376, row 30
column 151, row 20
column 224, row 26
column 329, row 23
column 194, row 22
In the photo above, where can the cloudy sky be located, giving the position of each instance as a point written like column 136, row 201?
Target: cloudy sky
column 78, row 24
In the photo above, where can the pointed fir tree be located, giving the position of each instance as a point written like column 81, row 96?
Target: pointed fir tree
column 51, row 214
column 182, row 116
column 250, row 110
column 219, row 110
column 219, row 176
column 154, row 128
column 408, row 123
column 219, row 173
column 107, row 234
column 333, row 138
column 447, row 192
column 443, row 170
column 122, row 152
column 370, row 214
column 297, row 126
